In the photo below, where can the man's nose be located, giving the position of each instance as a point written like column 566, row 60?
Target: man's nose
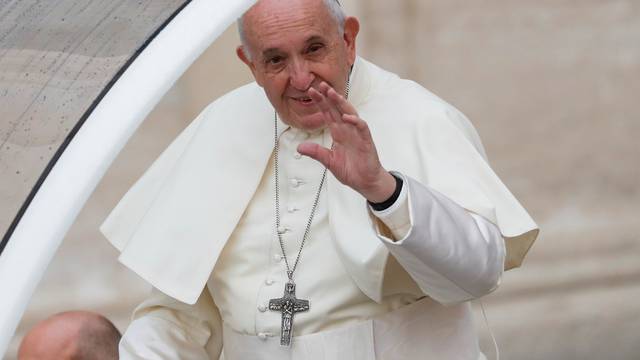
column 300, row 75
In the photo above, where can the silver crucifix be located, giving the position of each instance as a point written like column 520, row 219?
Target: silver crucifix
column 289, row 306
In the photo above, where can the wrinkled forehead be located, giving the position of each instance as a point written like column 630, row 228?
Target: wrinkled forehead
column 270, row 19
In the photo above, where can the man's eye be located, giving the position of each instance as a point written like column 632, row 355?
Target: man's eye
column 315, row 48
column 274, row 60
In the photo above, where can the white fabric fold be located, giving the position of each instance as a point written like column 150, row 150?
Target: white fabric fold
column 452, row 255
column 396, row 217
column 174, row 223
column 165, row 328
column 164, row 225
column 444, row 332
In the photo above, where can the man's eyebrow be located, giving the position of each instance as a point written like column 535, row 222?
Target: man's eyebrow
column 270, row 52
column 276, row 51
column 314, row 38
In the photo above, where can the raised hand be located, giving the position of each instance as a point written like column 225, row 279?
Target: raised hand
column 353, row 158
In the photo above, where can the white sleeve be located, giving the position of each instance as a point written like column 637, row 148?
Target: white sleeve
column 452, row 254
column 167, row 329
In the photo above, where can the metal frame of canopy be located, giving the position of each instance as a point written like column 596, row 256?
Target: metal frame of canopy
column 74, row 173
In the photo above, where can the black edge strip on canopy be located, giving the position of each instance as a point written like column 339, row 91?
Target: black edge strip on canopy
column 78, row 125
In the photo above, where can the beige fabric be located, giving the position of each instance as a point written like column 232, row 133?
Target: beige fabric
column 422, row 330
column 395, row 221
column 194, row 229
column 163, row 225
column 169, row 330
column 452, row 257
column 251, row 271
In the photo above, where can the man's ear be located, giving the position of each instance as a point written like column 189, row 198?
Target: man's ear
column 351, row 30
column 242, row 55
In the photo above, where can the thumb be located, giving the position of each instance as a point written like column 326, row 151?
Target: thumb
column 316, row 152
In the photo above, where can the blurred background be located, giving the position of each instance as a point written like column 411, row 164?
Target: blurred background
column 553, row 88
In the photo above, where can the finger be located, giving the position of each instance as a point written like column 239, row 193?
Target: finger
column 339, row 101
column 317, row 97
column 359, row 124
column 322, row 104
column 324, row 87
column 325, row 106
column 316, row 152
column 342, row 104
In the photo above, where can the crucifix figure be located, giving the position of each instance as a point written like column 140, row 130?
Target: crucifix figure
column 288, row 305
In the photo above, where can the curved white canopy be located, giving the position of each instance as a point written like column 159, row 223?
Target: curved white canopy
column 77, row 77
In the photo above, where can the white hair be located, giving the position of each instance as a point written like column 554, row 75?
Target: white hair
column 333, row 6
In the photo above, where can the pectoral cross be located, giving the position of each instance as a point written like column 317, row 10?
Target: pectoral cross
column 289, row 306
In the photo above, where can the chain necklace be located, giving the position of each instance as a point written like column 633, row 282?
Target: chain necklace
column 291, row 270
column 288, row 304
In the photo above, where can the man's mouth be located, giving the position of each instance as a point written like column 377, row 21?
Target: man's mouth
column 305, row 100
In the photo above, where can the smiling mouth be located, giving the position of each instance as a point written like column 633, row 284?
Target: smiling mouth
column 305, row 100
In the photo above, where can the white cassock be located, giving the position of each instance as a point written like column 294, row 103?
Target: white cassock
column 199, row 226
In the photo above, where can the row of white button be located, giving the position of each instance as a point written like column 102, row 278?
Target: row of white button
column 283, row 229
column 295, row 182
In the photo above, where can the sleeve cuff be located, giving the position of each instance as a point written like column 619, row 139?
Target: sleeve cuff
column 396, row 217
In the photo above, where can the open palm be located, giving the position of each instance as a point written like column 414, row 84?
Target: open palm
column 353, row 158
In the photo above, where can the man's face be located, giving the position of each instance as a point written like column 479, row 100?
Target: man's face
column 295, row 45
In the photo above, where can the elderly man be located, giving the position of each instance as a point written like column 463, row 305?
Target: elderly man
column 72, row 335
column 273, row 227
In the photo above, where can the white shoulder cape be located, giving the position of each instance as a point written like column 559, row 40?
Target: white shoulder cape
column 173, row 223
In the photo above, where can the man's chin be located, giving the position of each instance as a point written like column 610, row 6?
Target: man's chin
column 309, row 123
